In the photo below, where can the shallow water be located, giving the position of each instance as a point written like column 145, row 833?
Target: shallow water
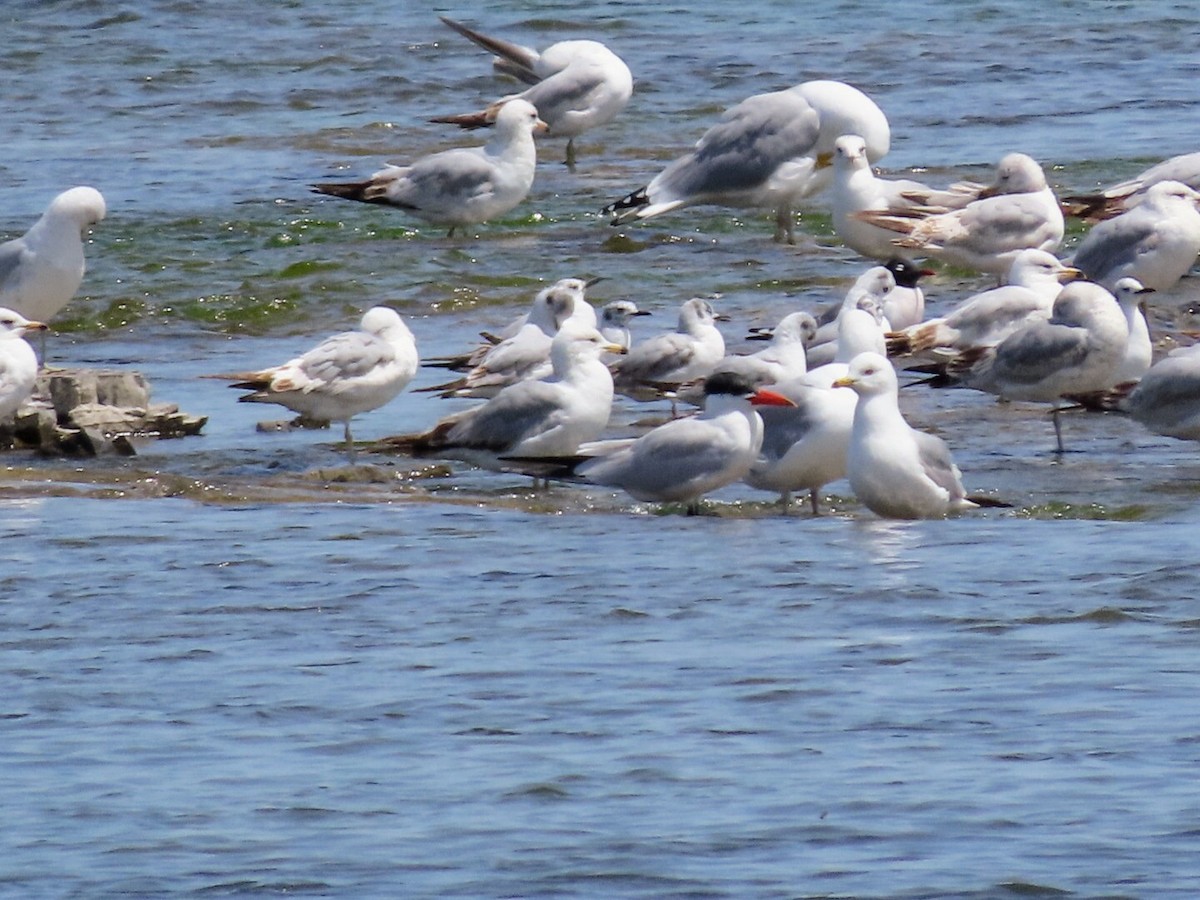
column 232, row 665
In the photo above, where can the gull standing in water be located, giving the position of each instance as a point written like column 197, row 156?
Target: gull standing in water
column 771, row 150
column 347, row 374
column 874, row 285
column 1155, row 242
column 1077, row 351
column 904, row 304
column 41, row 270
column 614, row 321
column 462, row 186
column 532, row 418
column 18, row 362
column 1015, row 213
column 667, row 360
column 575, row 85
column 684, row 459
column 895, row 470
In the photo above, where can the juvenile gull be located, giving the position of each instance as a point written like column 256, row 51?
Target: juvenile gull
column 576, row 85
column 346, row 374
column 684, row 459
column 1078, row 350
column 18, row 362
column 532, row 418
column 1017, row 212
column 41, row 270
column 1155, row 242
column 462, row 186
column 896, row 471
column 770, row 150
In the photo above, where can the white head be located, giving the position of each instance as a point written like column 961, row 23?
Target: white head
column 84, row 205
column 1016, row 174
column 870, row 374
column 850, row 153
column 576, row 342
column 617, row 313
column 1031, row 268
column 1130, row 292
column 876, row 282
column 797, row 327
column 384, row 322
column 697, row 313
column 13, row 325
column 1171, row 193
column 517, row 116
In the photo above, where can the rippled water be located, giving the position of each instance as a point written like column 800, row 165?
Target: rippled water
column 232, row 666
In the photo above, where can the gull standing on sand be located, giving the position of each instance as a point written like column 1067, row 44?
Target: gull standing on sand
column 462, row 186
column 984, row 320
column 1167, row 399
column 771, row 150
column 1118, row 198
column 1155, row 242
column 575, row 85
column 684, row 459
column 667, row 360
column 896, row 471
column 533, row 418
column 41, row 270
column 1015, row 213
column 18, row 362
column 1077, row 351
column 346, row 374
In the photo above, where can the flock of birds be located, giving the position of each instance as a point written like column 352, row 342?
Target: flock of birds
column 820, row 401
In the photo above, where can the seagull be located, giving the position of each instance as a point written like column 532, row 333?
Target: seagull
column 346, row 374
column 462, row 186
column 856, row 188
column 1016, row 212
column 614, row 321
column 684, row 459
column 804, row 447
column 1078, row 350
column 533, row 418
column 41, row 270
column 575, row 85
column 1139, row 349
column 896, row 471
column 1167, row 399
column 1121, row 197
column 904, row 305
column 770, row 150
column 874, row 284
column 985, row 319
column 667, row 360
column 860, row 328
column 1155, row 242
column 18, row 362
column 526, row 354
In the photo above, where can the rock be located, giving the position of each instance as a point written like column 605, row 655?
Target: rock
column 87, row 412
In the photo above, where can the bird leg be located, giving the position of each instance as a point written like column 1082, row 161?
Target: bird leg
column 814, row 499
column 570, row 160
column 349, row 442
column 785, row 226
column 1057, row 430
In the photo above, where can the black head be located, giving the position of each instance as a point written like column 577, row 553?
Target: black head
column 730, row 383
column 906, row 273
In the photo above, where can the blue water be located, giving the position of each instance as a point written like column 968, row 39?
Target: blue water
column 226, row 669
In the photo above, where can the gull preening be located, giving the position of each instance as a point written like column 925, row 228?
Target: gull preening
column 1018, row 211
column 1155, row 242
column 41, row 270
column 576, row 85
column 895, row 470
column 462, row 186
column 18, row 362
column 684, row 459
column 769, row 151
column 534, row 418
column 347, row 374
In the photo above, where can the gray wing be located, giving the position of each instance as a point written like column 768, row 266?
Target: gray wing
column 938, row 465
column 1005, row 222
column 350, row 354
column 1035, row 354
column 450, row 175
column 784, row 426
column 512, row 416
column 1185, row 168
column 666, row 461
column 1117, row 242
column 657, row 359
column 1168, row 394
column 12, row 254
column 570, row 89
column 741, row 152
